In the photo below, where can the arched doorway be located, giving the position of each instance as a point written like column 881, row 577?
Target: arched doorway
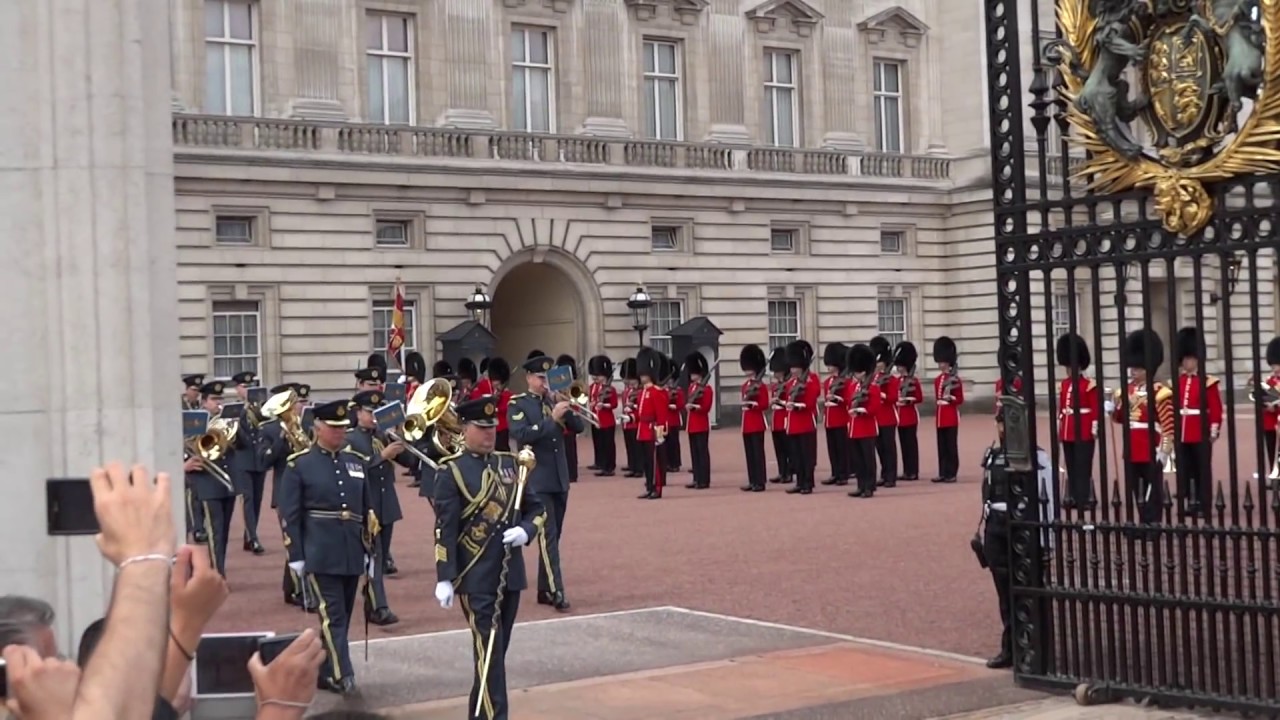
column 536, row 305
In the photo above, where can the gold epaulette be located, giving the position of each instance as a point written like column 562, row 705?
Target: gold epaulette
column 1092, row 384
column 300, row 452
column 348, row 449
column 1163, row 392
column 1210, row 381
column 523, row 394
column 450, row 458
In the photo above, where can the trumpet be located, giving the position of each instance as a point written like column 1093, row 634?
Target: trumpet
column 282, row 406
column 214, row 445
column 430, row 410
column 578, row 400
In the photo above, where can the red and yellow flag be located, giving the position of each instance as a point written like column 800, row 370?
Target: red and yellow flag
column 395, row 339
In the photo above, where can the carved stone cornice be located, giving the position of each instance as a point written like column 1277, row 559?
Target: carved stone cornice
column 559, row 6
column 895, row 20
column 686, row 11
column 799, row 16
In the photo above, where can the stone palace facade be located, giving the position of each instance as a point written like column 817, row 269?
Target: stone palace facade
column 786, row 168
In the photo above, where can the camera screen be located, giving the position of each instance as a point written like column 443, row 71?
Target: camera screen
column 70, row 507
column 222, row 664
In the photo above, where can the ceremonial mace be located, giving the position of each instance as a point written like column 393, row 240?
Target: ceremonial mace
column 525, row 461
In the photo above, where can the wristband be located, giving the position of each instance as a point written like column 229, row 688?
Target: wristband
column 144, row 558
column 185, row 653
column 285, row 703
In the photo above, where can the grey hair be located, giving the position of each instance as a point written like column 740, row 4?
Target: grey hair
column 20, row 616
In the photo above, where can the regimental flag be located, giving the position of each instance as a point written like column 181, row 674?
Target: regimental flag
column 395, row 338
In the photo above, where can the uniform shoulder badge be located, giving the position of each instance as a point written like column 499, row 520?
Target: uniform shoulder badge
column 300, row 453
column 352, row 451
column 1196, row 63
column 450, row 458
column 1163, row 392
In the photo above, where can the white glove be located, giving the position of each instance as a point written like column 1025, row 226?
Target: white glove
column 1161, row 457
column 444, row 594
column 1109, row 407
column 369, row 566
column 297, row 566
column 515, row 536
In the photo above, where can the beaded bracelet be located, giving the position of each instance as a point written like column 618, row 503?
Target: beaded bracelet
column 144, row 558
column 286, row 703
column 190, row 656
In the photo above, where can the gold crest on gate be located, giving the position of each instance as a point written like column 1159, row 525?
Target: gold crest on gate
column 1186, row 123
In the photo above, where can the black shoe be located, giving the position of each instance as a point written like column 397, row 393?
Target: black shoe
column 788, row 480
column 255, row 547
column 331, row 685
column 855, row 493
column 1001, row 661
column 937, row 479
column 605, row 473
column 646, row 496
column 889, row 483
column 559, row 602
column 544, row 598
column 842, row 482
column 295, row 600
column 807, row 491
column 908, row 478
column 830, row 481
column 775, row 480
column 947, row 480
column 748, row 488
column 794, row 491
column 382, row 617
column 703, row 487
column 692, row 486
column 389, row 567
column 593, row 467
column 632, row 474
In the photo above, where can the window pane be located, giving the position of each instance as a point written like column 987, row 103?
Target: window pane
column 213, row 19
column 786, row 132
column 878, row 78
column 650, row 108
column 520, row 117
column 215, row 81
column 667, row 103
column 650, row 49
column 377, row 109
column 397, row 90
column 517, row 46
column 891, row 78
column 373, row 32
column 879, row 118
column 540, row 100
column 893, row 139
column 397, row 34
column 240, row 17
column 784, row 69
column 667, row 59
column 768, row 67
column 539, row 47
column 241, row 79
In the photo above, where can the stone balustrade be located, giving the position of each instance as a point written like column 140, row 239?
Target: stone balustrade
column 278, row 134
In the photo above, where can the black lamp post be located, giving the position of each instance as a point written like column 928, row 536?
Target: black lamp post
column 1234, row 263
column 1122, row 278
column 639, row 304
column 478, row 304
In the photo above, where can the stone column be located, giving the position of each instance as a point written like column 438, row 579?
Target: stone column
column 86, row 237
column 469, row 39
column 726, row 54
column 319, row 28
column 840, row 60
column 605, row 69
column 933, row 59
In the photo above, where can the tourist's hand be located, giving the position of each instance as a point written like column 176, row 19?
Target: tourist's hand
column 39, row 689
column 133, row 511
column 291, row 676
column 196, row 591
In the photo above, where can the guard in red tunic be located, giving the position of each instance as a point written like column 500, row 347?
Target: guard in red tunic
column 886, row 412
column 1079, row 404
column 468, row 375
column 835, row 411
column 1149, row 445
column 630, row 420
column 483, row 387
column 864, row 408
column 702, row 398
column 651, row 414
column 910, row 395
column 801, row 397
column 676, row 398
column 778, row 418
column 603, row 397
column 1199, row 424
column 755, row 400
column 1270, row 404
column 498, row 373
column 948, row 393
column 570, row 437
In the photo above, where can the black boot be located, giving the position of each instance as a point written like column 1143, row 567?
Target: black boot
column 1001, row 661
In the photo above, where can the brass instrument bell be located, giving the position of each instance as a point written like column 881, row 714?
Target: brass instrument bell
column 431, row 410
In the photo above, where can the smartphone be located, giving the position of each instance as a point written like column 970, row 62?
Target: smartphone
column 232, row 411
column 270, row 648
column 69, row 502
column 4, row 679
column 221, row 667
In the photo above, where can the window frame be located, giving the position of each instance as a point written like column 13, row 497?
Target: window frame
column 649, row 46
column 661, row 341
column 409, row 56
column 771, row 89
column 1059, row 329
column 878, row 103
column 387, row 307
column 782, row 339
column 792, row 240
column 249, row 220
column 674, row 231
column 236, row 360
column 404, row 223
column 905, row 316
column 527, row 67
column 253, row 43
column 902, row 242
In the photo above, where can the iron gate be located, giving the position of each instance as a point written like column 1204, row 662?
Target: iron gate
column 1114, row 216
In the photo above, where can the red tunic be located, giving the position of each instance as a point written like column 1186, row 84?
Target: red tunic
column 837, row 410
column 630, row 397
column 802, row 418
column 887, row 410
column 504, row 399
column 1139, row 422
column 1081, row 400
column 651, row 411
column 1192, row 427
column 863, row 425
column 700, row 413
column 910, row 395
column 753, row 416
column 675, row 407
column 604, row 401
column 779, row 411
column 482, row 388
column 948, row 415
column 1270, row 415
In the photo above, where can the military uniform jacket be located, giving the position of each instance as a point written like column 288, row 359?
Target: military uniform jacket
column 998, row 496
column 530, row 423
column 204, row 484
column 273, row 449
column 381, row 474
column 473, row 493
column 324, row 508
column 244, row 458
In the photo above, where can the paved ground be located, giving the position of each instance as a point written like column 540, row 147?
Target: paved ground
column 896, row 568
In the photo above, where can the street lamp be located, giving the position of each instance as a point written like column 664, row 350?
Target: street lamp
column 478, row 304
column 639, row 304
column 1234, row 263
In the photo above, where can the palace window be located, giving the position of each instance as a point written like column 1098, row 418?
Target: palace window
column 891, row 319
column 382, row 312
column 781, row 91
column 784, row 322
column 887, row 95
column 532, row 80
column 237, row 338
column 662, row 106
column 231, row 57
column 389, row 54
column 664, row 315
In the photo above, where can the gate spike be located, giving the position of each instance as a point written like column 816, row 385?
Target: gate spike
column 1248, row 498
column 1116, row 504
column 1275, row 499
column 1220, row 502
column 1168, row 497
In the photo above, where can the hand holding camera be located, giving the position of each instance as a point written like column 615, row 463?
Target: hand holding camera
column 134, row 513
column 39, row 689
column 287, row 684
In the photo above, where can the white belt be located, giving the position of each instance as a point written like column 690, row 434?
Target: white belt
column 1190, row 411
column 1139, row 426
column 1073, row 411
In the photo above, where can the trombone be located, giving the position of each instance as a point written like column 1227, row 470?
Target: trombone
column 214, row 445
column 577, row 397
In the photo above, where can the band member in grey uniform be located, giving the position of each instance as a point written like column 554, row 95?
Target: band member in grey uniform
column 325, row 511
column 246, row 463
column 278, row 443
column 478, row 546
column 195, row 514
column 365, row 439
column 213, row 489
column 536, row 420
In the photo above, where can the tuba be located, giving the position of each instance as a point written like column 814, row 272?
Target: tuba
column 283, row 407
column 214, row 445
column 430, row 411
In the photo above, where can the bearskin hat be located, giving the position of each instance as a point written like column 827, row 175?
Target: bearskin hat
column 1273, row 351
column 862, row 359
column 905, row 355
column 442, row 368
column 799, row 354
column 535, row 354
column 568, row 361
column 880, row 345
column 377, row 360
column 1190, row 343
column 1144, row 349
column 778, row 360
column 627, row 369
column 944, row 350
column 696, row 364
column 600, row 365
column 467, row 369
column 670, row 368
column 484, row 366
column 499, row 370
column 834, row 354
column 649, row 363
column 415, row 366
column 751, row 359
column 1072, row 345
